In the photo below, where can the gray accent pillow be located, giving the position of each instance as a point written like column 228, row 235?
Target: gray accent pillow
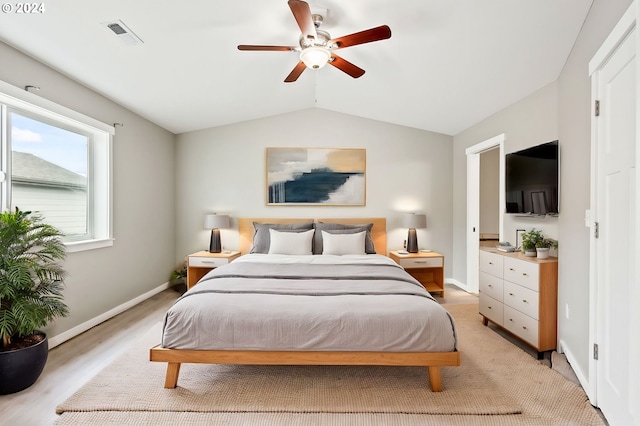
column 262, row 239
column 341, row 228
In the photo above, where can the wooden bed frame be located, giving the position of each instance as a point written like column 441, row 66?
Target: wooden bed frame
column 432, row 360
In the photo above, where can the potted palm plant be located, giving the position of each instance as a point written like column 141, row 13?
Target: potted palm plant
column 31, row 282
column 530, row 240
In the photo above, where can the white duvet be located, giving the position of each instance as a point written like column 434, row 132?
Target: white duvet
column 314, row 303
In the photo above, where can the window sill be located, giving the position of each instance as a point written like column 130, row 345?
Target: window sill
column 76, row 246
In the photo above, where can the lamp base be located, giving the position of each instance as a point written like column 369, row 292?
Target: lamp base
column 215, row 246
column 412, row 241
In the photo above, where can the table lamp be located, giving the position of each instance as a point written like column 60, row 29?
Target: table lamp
column 413, row 221
column 215, row 222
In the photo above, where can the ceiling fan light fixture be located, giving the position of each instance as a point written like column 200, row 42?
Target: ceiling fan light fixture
column 315, row 57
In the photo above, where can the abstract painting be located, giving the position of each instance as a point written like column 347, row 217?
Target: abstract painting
column 317, row 176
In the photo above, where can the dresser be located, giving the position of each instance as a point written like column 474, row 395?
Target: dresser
column 520, row 294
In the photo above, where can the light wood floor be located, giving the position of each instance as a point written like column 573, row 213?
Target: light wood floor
column 74, row 362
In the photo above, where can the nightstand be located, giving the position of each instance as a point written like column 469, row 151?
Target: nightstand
column 198, row 264
column 428, row 268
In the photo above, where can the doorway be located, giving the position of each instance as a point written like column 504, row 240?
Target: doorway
column 473, row 205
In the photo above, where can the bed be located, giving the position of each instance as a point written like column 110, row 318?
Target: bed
column 289, row 306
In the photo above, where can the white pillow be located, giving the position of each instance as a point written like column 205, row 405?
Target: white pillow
column 343, row 243
column 290, row 242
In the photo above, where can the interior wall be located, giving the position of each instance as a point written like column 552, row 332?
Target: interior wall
column 143, row 253
column 490, row 192
column 559, row 111
column 531, row 121
column 574, row 99
column 222, row 169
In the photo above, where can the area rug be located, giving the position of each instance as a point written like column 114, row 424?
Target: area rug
column 496, row 381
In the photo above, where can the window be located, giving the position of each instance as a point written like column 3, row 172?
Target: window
column 56, row 162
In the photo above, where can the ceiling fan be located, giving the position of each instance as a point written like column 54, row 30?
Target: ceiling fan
column 317, row 47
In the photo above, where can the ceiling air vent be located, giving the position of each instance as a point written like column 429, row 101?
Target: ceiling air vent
column 124, row 34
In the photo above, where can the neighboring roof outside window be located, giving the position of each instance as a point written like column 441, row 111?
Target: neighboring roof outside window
column 31, row 169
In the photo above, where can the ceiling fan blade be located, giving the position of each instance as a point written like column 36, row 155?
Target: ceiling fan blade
column 293, row 76
column 367, row 36
column 346, row 66
column 271, row 48
column 302, row 13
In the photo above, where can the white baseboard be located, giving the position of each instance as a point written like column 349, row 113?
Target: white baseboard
column 81, row 328
column 582, row 378
column 458, row 284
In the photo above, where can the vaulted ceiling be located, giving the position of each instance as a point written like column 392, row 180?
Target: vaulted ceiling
column 448, row 64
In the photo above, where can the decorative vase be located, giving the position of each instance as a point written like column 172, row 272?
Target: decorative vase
column 20, row 368
column 543, row 252
column 530, row 253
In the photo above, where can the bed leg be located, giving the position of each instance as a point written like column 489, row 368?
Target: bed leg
column 434, row 379
column 173, row 370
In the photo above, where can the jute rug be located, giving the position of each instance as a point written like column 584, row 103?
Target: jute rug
column 497, row 383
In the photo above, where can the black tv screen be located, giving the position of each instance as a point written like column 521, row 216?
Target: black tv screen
column 531, row 180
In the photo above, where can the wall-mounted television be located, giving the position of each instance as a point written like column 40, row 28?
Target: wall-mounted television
column 531, row 180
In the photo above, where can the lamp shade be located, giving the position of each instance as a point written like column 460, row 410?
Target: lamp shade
column 413, row 221
column 215, row 221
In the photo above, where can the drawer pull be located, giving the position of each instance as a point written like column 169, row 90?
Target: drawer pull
column 209, row 261
column 490, row 263
column 524, row 301
column 524, row 274
column 420, row 261
column 510, row 294
column 524, row 327
column 511, row 269
column 489, row 307
column 490, row 285
column 511, row 319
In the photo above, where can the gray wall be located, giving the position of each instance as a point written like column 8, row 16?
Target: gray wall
column 560, row 110
column 531, row 121
column 143, row 254
column 490, row 192
column 223, row 170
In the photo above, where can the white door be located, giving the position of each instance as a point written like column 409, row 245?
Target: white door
column 473, row 223
column 615, row 194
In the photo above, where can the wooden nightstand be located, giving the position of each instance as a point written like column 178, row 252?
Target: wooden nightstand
column 428, row 268
column 198, row 264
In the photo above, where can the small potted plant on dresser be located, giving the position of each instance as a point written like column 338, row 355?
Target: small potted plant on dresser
column 31, row 282
column 544, row 246
column 530, row 241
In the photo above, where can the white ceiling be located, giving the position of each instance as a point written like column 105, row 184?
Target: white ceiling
column 448, row 65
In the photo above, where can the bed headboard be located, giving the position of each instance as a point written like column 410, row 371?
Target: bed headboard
column 378, row 232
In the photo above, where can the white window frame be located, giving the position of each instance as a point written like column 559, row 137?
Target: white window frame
column 100, row 153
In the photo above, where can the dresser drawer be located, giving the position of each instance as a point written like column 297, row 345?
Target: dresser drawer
column 521, row 299
column 207, row 262
column 521, row 325
column 421, row 262
column 491, row 286
column 521, row 272
column 491, row 263
column 491, row 308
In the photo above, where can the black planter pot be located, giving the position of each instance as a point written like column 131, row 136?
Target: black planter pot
column 21, row 368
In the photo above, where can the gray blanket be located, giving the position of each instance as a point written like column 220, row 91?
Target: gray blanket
column 319, row 307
